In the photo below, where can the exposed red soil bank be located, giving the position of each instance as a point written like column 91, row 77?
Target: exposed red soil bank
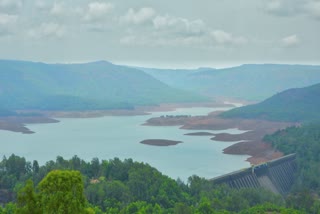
column 252, row 139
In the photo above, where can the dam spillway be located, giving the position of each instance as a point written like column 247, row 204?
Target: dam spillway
column 276, row 175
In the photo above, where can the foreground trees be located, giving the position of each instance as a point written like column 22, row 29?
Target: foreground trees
column 59, row 192
column 116, row 186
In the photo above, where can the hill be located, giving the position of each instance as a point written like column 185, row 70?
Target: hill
column 295, row 105
column 96, row 85
column 249, row 82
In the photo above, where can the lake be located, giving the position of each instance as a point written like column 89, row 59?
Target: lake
column 119, row 136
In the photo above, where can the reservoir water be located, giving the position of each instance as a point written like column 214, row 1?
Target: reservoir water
column 119, row 136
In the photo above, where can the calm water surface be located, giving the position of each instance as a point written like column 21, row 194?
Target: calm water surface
column 109, row 137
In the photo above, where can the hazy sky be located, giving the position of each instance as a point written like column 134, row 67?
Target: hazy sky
column 161, row 33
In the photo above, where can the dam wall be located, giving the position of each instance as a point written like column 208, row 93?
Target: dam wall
column 276, row 175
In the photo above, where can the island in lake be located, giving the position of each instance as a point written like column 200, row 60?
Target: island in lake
column 160, row 142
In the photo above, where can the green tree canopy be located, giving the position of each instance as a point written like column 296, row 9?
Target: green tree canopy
column 62, row 192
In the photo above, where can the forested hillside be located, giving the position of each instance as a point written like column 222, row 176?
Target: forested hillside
column 96, row 85
column 249, row 82
column 295, row 105
column 305, row 142
column 116, row 186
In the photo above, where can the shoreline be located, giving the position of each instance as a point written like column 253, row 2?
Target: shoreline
column 19, row 123
column 251, row 141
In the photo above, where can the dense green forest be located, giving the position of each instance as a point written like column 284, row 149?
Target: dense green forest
column 305, row 142
column 294, row 105
column 87, row 86
column 115, row 186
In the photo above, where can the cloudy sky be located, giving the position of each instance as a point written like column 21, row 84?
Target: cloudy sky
column 166, row 33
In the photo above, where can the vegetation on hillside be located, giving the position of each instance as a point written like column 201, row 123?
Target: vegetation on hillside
column 294, row 105
column 117, row 186
column 305, row 142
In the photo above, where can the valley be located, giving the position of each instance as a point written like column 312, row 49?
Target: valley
column 185, row 135
column 159, row 98
column 159, row 107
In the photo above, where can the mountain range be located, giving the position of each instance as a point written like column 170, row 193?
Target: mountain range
column 97, row 85
column 86, row 86
column 254, row 82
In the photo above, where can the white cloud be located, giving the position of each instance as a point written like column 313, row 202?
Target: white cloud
column 128, row 40
column 281, row 7
column 154, row 40
column 41, row 4
column 293, row 7
column 7, row 23
column 290, row 41
column 313, row 8
column 224, row 38
column 58, row 9
column 47, row 30
column 274, row 5
column 97, row 11
column 221, row 37
column 169, row 30
column 10, row 6
column 140, row 16
column 179, row 25
column 6, row 19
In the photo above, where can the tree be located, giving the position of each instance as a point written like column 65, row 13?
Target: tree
column 16, row 165
column 181, row 208
column 62, row 192
column 270, row 208
column 10, row 208
column 204, row 207
column 95, row 167
column 75, row 163
column 142, row 207
column 27, row 200
column 35, row 167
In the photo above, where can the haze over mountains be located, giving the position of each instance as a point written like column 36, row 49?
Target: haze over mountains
column 103, row 85
column 96, row 85
column 249, row 82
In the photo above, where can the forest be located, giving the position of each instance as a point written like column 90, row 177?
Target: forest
column 116, row 186
column 304, row 141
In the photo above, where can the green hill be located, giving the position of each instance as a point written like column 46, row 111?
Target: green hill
column 296, row 105
column 96, row 85
column 249, row 82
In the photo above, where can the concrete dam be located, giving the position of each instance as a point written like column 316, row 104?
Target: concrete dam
column 276, row 175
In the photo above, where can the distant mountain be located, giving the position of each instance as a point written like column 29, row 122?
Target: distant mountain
column 96, row 85
column 296, row 105
column 250, row 82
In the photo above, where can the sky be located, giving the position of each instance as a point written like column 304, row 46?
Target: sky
column 166, row 33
